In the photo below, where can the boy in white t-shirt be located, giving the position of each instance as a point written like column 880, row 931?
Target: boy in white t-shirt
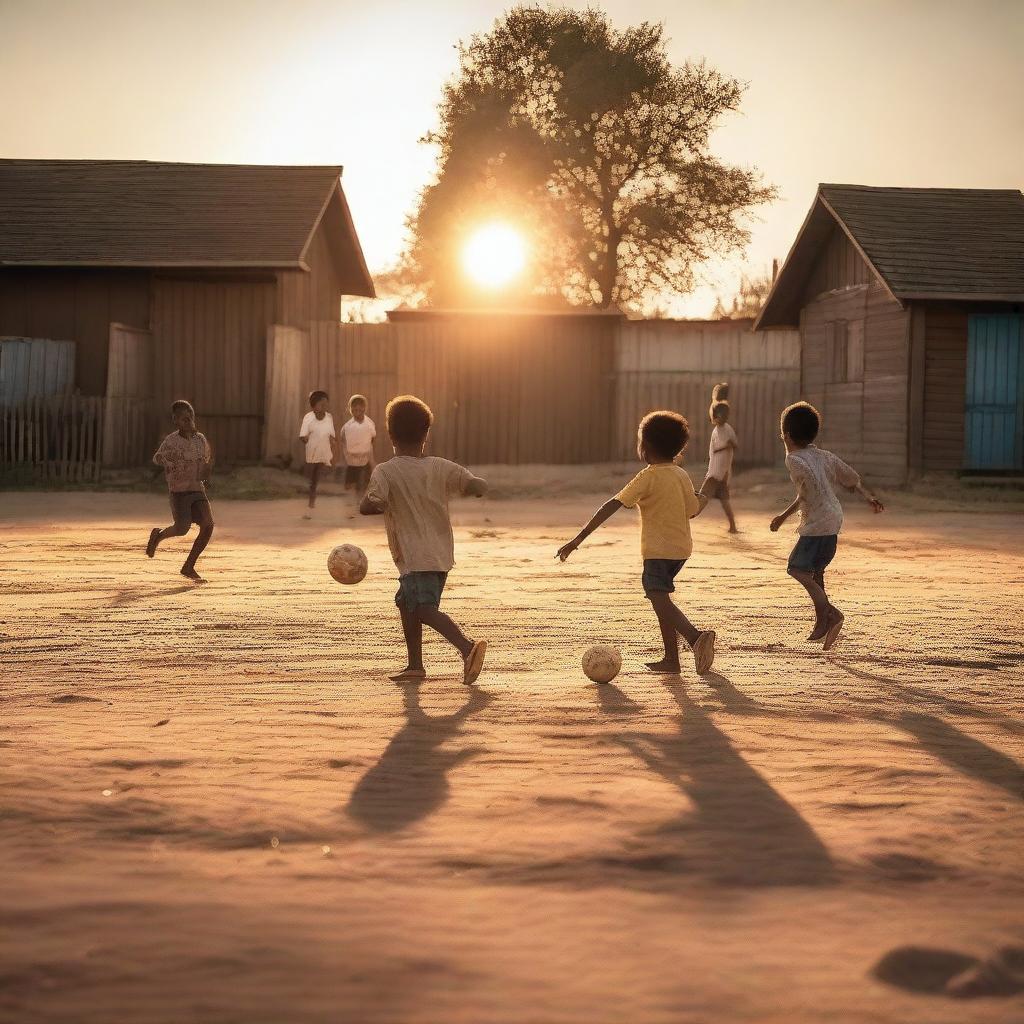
column 412, row 491
column 816, row 472
column 356, row 439
column 720, row 455
column 318, row 435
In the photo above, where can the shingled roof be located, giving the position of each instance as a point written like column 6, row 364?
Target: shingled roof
column 922, row 243
column 129, row 213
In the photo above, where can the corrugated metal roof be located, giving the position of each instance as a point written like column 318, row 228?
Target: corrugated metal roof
column 923, row 243
column 147, row 214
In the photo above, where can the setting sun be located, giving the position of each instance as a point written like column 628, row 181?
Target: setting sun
column 494, row 255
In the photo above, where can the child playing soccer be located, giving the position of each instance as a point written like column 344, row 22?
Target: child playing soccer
column 357, row 437
column 720, row 455
column 187, row 459
column 317, row 434
column 667, row 502
column 412, row 492
column 815, row 472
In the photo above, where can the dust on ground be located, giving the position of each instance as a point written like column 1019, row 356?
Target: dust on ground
column 214, row 807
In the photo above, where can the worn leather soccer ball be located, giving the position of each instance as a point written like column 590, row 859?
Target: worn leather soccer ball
column 601, row 663
column 347, row 563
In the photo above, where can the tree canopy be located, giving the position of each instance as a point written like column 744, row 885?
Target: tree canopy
column 596, row 147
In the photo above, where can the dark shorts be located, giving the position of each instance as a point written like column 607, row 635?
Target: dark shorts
column 660, row 574
column 187, row 507
column 357, row 477
column 715, row 488
column 813, row 554
column 420, row 588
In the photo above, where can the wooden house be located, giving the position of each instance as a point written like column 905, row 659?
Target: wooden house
column 168, row 277
column 910, row 305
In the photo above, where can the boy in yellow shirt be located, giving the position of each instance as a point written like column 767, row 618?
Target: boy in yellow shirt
column 665, row 496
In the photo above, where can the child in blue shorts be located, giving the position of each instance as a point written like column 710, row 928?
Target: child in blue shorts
column 411, row 491
column 665, row 496
column 815, row 472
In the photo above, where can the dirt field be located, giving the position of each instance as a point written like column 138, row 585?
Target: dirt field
column 215, row 808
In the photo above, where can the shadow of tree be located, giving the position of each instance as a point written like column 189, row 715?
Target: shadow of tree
column 409, row 782
column 741, row 831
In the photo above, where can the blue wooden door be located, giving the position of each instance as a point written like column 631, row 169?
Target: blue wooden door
column 995, row 392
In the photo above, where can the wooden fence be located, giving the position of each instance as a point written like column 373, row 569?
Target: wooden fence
column 58, row 438
column 667, row 364
column 509, row 389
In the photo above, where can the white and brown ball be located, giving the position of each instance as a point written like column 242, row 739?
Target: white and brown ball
column 601, row 663
column 347, row 563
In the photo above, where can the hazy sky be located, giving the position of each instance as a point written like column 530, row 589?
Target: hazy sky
column 904, row 92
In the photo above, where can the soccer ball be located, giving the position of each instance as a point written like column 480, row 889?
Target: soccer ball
column 347, row 563
column 602, row 663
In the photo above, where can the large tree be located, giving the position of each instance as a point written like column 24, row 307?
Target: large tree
column 597, row 146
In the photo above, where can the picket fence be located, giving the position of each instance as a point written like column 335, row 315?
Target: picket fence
column 58, row 438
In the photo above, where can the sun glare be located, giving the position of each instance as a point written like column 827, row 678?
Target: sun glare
column 494, row 255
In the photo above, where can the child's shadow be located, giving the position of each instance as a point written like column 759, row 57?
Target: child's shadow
column 410, row 779
column 741, row 831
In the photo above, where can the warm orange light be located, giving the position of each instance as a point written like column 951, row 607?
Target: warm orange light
column 494, row 255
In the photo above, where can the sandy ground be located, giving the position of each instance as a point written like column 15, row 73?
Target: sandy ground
column 215, row 808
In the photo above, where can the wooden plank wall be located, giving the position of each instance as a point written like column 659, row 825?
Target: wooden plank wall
column 307, row 296
column 285, row 404
column 130, row 419
column 210, row 341
column 507, row 390
column 675, row 364
column 77, row 305
column 838, row 266
column 35, row 366
column 945, row 384
column 864, row 422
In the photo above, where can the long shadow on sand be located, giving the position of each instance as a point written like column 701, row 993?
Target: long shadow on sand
column 409, row 782
column 741, row 831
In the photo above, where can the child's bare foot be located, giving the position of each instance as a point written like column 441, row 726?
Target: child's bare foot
column 835, row 627
column 154, row 539
column 704, row 651
column 189, row 572
column 474, row 662
column 408, row 675
column 665, row 666
column 732, row 529
column 820, row 629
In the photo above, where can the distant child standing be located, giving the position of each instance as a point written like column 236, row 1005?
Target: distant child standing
column 720, row 455
column 667, row 502
column 187, row 460
column 318, row 435
column 815, row 472
column 357, row 437
column 412, row 492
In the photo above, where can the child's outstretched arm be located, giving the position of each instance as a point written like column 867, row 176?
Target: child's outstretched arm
column 602, row 515
column 783, row 516
column 476, row 487
column 869, row 497
column 850, row 479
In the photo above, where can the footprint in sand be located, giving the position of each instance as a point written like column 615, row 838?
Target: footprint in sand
column 958, row 975
column 76, row 698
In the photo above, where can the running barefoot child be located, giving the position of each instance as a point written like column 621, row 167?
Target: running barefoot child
column 317, row 434
column 357, row 437
column 815, row 472
column 187, row 459
column 412, row 492
column 667, row 502
column 720, row 455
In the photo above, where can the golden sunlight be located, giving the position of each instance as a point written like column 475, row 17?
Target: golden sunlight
column 494, row 255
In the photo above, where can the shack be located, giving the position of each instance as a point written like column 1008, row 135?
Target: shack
column 168, row 277
column 909, row 305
